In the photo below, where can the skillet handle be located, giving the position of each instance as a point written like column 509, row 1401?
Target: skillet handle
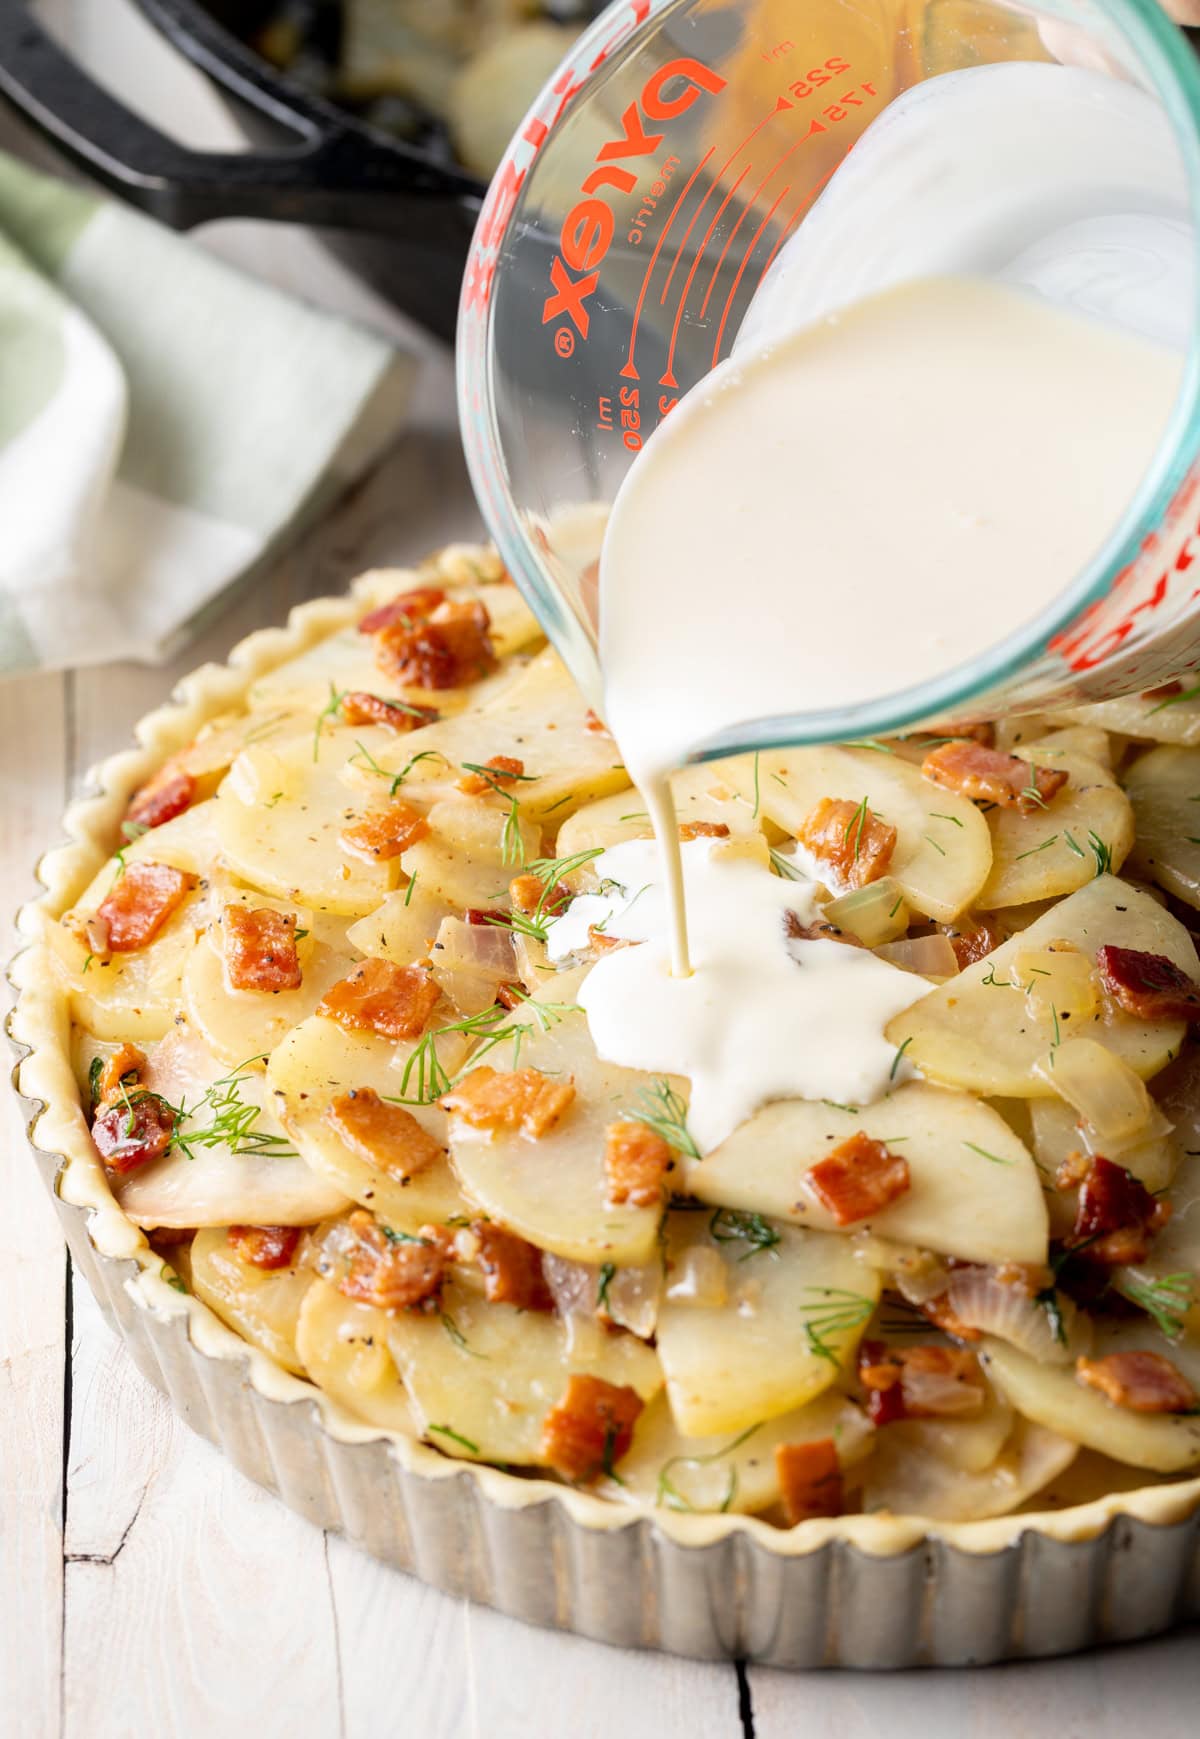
column 332, row 176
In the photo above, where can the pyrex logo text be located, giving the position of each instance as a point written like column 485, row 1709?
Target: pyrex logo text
column 587, row 229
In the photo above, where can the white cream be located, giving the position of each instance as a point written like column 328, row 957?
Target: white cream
column 761, row 1017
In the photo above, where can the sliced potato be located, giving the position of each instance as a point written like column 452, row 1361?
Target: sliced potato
column 343, row 1347
column 403, row 928
column 905, row 1478
column 1057, row 848
column 969, row 1444
column 135, row 995
column 475, row 846
column 708, row 792
column 190, row 842
column 1136, row 716
column 1164, row 789
column 262, row 1304
column 482, row 1376
column 793, row 1313
column 943, row 849
column 1087, row 740
column 975, row 1031
column 236, row 1024
column 975, row 1192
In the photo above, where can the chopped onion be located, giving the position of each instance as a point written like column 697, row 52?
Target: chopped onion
column 921, row 1277
column 574, row 1286
column 941, row 1395
column 699, row 1276
column 627, row 1297
column 875, row 914
column 471, row 962
column 1104, row 1091
column 1052, row 1331
column 931, row 956
column 1059, row 983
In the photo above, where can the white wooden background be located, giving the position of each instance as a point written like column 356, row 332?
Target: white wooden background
column 145, row 1587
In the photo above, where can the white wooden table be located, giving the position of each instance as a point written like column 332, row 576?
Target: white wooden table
column 144, row 1585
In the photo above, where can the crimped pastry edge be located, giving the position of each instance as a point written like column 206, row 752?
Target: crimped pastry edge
column 39, row 1027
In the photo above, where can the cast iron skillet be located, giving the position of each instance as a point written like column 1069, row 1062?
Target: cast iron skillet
column 403, row 220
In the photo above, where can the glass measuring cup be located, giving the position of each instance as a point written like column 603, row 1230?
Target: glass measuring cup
column 644, row 201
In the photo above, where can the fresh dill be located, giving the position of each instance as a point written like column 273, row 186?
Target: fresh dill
column 954, row 820
column 668, row 1496
column 511, row 843
column 833, row 1311
column 754, row 811
column 457, row 1336
column 1034, row 849
column 661, row 1109
column 545, row 1014
column 408, row 892
column 95, row 1070
column 551, row 872
column 1030, row 793
column 930, row 840
column 330, row 710
column 851, row 1110
column 413, row 761
column 425, row 1079
column 1167, row 1301
column 870, row 743
column 232, row 1123
column 1048, row 1299
column 1187, row 694
column 1072, row 844
column 607, row 1275
column 131, row 830
column 983, row 1153
column 898, row 1058
column 734, row 1226
column 857, row 821
column 1102, row 852
column 455, row 1437
column 786, row 867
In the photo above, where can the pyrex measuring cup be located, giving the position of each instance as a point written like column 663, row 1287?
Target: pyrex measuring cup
column 646, row 199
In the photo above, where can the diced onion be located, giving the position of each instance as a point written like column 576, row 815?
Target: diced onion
column 931, row 956
column 627, row 1296
column 875, row 914
column 471, row 961
column 1053, row 1333
column 1105, row 1092
column 698, row 1277
column 1058, row 982
column 941, row 1395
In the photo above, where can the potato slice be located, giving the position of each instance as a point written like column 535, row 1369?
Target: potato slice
column 664, row 1470
column 261, row 1304
column 403, row 928
column 473, row 850
column 553, row 1191
column 795, row 1307
column 969, row 1444
column 1087, row 740
column 135, row 995
column 1057, row 1133
column 236, row 1024
column 1052, row 1397
column 1164, row 789
column 343, row 1347
column 943, row 849
column 1058, row 848
column 703, row 793
column 905, row 1478
column 482, row 1376
column 975, row 1191
column 190, row 842
column 975, row 1031
column 1133, row 716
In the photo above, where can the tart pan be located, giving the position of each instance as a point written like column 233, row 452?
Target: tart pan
column 868, row 1591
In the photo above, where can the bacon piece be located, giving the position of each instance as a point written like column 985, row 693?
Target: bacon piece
column 380, row 997
column 127, row 1059
column 450, row 647
column 636, row 1163
column 408, row 608
column 591, row 1428
column 818, row 931
column 387, row 1136
column 993, row 777
column 972, row 940
column 383, row 834
column 702, row 830
column 810, row 1480
column 593, row 722
column 855, row 844
column 1116, row 1216
column 527, row 893
column 604, row 944
column 161, row 798
column 511, row 996
column 859, row 1178
column 1149, row 986
column 510, row 1265
column 1164, row 691
column 358, row 707
column 265, row 1246
column 130, row 1134
column 139, row 903
column 975, row 730
column 523, row 1099
column 919, row 1382
column 260, row 949
column 1143, row 1382
column 502, row 770
column 390, row 1273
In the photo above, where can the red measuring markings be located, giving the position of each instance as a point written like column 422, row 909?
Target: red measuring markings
column 804, row 201
column 630, row 371
column 668, row 379
column 741, row 218
column 745, row 261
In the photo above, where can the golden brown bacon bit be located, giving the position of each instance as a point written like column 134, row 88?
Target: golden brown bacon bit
column 1116, row 1216
column 260, row 949
column 1148, row 985
column 384, row 1135
column 383, row 834
column 162, row 798
column 1143, row 1382
column 139, row 903
column 361, row 708
column 131, row 1132
column 527, row 893
column 380, row 997
column 702, row 830
column 820, row 930
column 126, row 1060
column 919, row 1382
column 810, row 1480
column 974, row 730
column 510, row 1265
column 636, row 1163
column 855, row 844
column 859, row 1178
column 408, row 609
column 502, row 770
column 593, row 722
column 605, row 944
column 990, row 776
column 1164, row 691
column 448, row 649
column 972, row 939
column 511, row 996
column 523, row 1099
column 265, row 1246
column 390, row 1274
column 591, row 1428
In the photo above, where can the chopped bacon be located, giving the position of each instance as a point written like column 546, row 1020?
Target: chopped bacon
column 265, row 1246
column 408, row 609
column 383, row 834
column 591, row 1428
column 387, row 1136
column 820, row 930
column 380, row 997
column 139, row 903
column 1116, row 1216
column 1148, row 985
column 510, row 1265
column 361, row 708
column 919, row 1382
column 523, row 1099
column 810, row 1480
column 991, row 776
column 702, row 830
column 593, row 722
column 527, row 893
column 162, row 798
column 260, row 949
column 1143, row 1382
column 972, row 940
column 636, row 1163
column 859, row 1178
column 1164, row 691
column 131, row 1133
column 848, row 837
column 975, row 730
column 602, row 943
column 127, row 1059
column 500, row 770
column 390, row 1273
column 444, row 650
column 510, row 996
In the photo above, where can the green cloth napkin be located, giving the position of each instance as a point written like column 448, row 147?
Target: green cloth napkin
column 165, row 423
